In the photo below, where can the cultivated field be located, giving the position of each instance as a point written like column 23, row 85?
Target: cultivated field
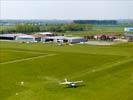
column 107, row 71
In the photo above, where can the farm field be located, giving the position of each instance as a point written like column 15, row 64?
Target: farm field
column 107, row 71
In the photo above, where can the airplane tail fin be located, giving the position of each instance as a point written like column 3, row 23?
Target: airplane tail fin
column 65, row 80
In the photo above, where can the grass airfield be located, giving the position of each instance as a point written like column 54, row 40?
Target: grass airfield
column 107, row 71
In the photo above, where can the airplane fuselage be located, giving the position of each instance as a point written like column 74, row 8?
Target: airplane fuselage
column 72, row 85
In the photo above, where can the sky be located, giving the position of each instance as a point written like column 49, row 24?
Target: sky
column 66, row 9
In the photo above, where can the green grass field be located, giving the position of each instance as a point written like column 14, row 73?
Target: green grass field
column 107, row 71
column 99, row 29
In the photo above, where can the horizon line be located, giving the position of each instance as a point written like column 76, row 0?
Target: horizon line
column 72, row 19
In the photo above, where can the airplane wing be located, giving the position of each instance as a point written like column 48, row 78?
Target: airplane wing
column 68, row 82
column 65, row 83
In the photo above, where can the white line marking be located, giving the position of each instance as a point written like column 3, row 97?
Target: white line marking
column 33, row 52
column 25, row 59
column 51, row 79
column 103, row 68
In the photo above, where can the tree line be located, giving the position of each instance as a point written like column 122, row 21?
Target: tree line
column 31, row 28
column 97, row 22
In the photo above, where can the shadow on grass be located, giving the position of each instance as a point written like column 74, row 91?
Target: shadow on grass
column 78, row 86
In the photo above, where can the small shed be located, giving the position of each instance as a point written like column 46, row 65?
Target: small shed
column 128, row 29
column 129, row 37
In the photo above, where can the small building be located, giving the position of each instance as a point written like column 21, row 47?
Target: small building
column 128, row 29
column 129, row 33
column 38, row 37
column 63, row 39
column 26, row 38
column 129, row 37
column 46, row 33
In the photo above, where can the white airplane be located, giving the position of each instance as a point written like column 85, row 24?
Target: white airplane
column 70, row 83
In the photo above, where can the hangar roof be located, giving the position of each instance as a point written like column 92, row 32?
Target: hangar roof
column 130, row 35
column 11, row 35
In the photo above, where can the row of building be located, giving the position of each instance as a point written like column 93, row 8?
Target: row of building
column 50, row 37
column 42, row 37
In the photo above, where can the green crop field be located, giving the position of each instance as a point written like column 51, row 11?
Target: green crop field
column 107, row 71
column 98, row 29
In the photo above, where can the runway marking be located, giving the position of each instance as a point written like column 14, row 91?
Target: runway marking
column 104, row 68
column 51, row 79
column 33, row 52
column 25, row 59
